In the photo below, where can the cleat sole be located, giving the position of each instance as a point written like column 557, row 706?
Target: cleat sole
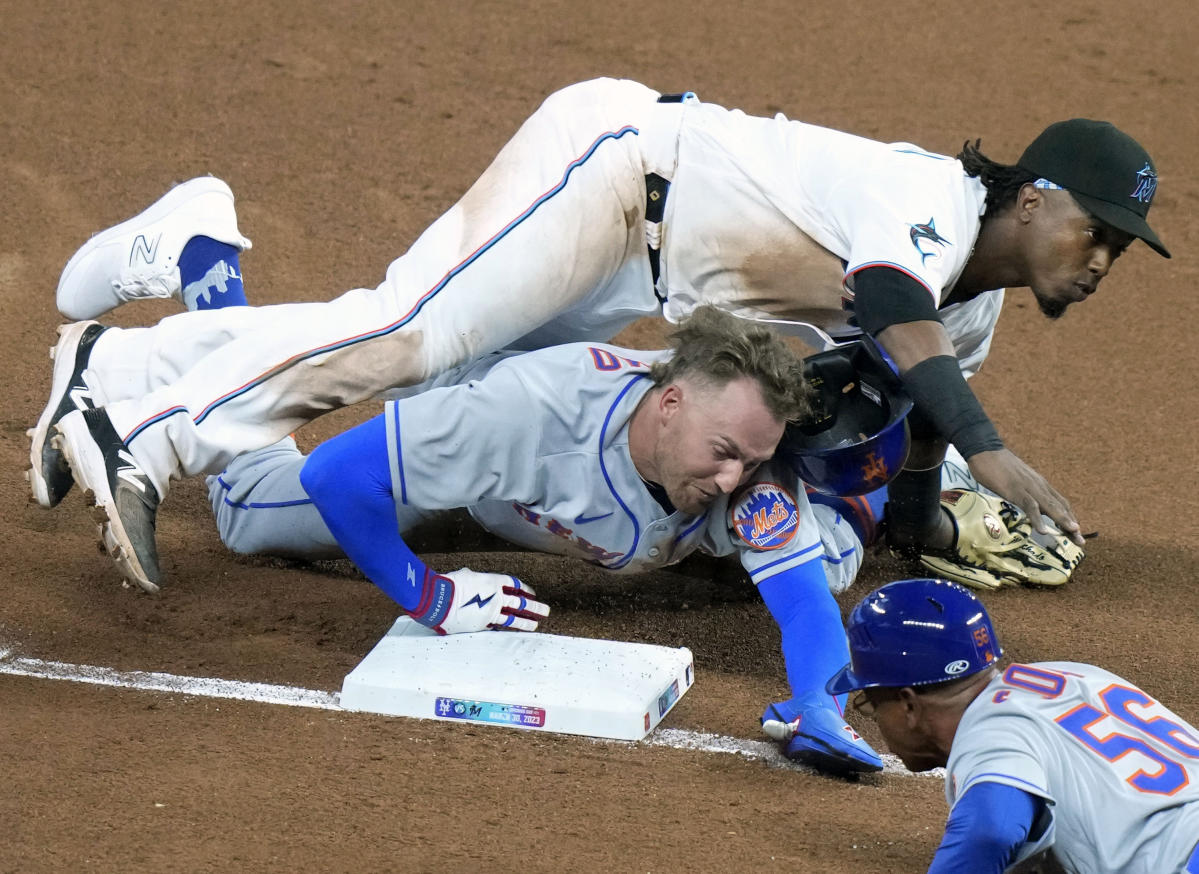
column 42, row 432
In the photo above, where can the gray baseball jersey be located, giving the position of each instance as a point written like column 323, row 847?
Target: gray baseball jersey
column 1120, row 771
column 537, row 451
column 535, row 447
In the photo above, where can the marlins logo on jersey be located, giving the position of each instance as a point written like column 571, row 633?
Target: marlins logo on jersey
column 927, row 233
column 764, row 515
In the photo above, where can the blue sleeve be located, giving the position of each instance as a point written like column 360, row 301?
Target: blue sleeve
column 814, row 643
column 349, row 481
column 986, row 829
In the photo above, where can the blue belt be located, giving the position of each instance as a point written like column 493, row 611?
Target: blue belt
column 1193, row 864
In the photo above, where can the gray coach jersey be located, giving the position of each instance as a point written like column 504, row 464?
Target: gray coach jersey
column 1120, row 771
column 537, row 451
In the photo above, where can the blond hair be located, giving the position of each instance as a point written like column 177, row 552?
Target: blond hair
column 713, row 348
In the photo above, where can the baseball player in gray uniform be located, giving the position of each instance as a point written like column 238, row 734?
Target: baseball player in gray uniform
column 610, row 203
column 628, row 460
column 1054, row 757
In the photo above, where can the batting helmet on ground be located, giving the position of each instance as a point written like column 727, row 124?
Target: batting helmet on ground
column 914, row 633
column 857, row 439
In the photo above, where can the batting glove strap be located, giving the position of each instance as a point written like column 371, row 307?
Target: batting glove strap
column 437, row 597
column 782, row 712
column 811, row 731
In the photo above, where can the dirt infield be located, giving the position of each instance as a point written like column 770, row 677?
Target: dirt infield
column 344, row 129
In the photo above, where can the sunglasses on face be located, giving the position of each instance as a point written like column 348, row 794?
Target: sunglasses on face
column 860, row 702
column 868, row 707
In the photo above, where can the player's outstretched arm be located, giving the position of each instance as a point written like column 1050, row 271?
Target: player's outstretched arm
column 901, row 315
column 349, row 481
column 1006, row 474
column 809, row 726
column 940, row 392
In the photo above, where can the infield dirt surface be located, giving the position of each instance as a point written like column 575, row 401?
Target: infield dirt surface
column 344, row 129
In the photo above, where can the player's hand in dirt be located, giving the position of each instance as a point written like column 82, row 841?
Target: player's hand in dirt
column 1004, row 473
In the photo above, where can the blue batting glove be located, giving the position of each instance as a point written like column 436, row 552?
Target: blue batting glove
column 812, row 731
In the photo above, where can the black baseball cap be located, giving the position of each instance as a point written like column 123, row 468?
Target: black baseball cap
column 1107, row 172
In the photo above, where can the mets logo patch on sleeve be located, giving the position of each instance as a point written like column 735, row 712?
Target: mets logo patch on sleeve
column 764, row 515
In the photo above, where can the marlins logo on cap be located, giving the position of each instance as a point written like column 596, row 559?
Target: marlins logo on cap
column 1146, row 184
column 1107, row 172
column 764, row 515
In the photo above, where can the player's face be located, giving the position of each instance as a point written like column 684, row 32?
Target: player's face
column 1069, row 251
column 900, row 726
column 712, row 440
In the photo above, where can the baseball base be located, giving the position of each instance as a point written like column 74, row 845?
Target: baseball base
column 545, row 682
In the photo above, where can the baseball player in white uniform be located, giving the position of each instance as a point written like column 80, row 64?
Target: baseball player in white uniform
column 1052, row 757
column 611, row 202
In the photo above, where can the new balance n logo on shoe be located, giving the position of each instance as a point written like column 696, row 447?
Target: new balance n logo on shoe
column 129, row 472
column 81, row 397
column 143, row 250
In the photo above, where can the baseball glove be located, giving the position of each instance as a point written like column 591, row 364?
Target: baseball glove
column 994, row 546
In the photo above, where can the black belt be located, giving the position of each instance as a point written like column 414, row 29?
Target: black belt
column 655, row 206
column 656, row 189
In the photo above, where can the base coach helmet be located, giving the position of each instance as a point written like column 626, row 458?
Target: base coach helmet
column 915, row 633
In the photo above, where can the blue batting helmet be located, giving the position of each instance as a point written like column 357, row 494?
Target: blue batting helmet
column 914, row 633
column 857, row 439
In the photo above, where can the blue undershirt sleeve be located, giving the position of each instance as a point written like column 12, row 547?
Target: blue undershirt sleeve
column 814, row 644
column 986, row 829
column 349, row 481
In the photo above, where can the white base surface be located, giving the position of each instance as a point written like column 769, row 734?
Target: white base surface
column 546, row 682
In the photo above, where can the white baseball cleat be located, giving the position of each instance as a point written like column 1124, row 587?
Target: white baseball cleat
column 73, row 388
column 139, row 258
column 126, row 501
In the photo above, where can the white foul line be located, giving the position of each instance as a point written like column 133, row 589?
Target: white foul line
column 766, row 751
column 292, row 696
column 152, row 681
